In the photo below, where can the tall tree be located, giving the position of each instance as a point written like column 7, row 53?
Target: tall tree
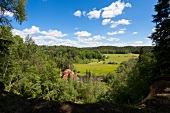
column 17, row 9
column 14, row 7
column 161, row 36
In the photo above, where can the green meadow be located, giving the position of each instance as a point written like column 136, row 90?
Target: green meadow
column 102, row 67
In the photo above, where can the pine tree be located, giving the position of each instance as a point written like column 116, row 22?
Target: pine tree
column 161, row 37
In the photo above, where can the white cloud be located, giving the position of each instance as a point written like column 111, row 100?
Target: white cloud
column 98, row 37
column 84, row 40
column 58, row 41
column 6, row 13
column 32, row 30
column 82, row 34
column 106, row 21
column 53, row 33
column 141, row 43
column 138, row 42
column 115, row 9
column 121, row 31
column 134, row 33
column 113, row 39
column 94, row 14
column 77, row 13
column 91, row 41
column 37, row 34
column 25, row 32
column 114, row 24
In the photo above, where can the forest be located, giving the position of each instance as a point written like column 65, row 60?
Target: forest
column 33, row 71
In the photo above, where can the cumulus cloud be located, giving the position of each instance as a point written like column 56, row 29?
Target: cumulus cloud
column 113, row 39
column 77, row 13
column 114, row 24
column 37, row 34
column 84, row 39
column 53, row 33
column 106, row 21
column 113, row 10
column 6, row 13
column 82, row 34
column 27, row 31
column 141, row 43
column 56, row 41
column 98, row 37
column 94, row 14
column 87, row 41
column 121, row 31
column 134, row 33
column 116, row 8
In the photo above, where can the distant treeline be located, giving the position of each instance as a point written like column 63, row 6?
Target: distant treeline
column 83, row 55
column 121, row 50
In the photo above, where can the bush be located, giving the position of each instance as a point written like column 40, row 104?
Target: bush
column 112, row 62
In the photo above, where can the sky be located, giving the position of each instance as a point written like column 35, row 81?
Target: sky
column 88, row 23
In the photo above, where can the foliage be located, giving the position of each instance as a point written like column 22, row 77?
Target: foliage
column 120, row 50
column 140, row 78
column 136, row 77
column 16, row 8
column 102, row 67
column 32, row 72
column 161, row 37
column 130, row 84
column 96, row 68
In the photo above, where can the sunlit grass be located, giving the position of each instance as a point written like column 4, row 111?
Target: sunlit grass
column 102, row 68
column 118, row 58
column 96, row 69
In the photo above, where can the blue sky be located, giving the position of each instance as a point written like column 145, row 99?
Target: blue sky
column 88, row 23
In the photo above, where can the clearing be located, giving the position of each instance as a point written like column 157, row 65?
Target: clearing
column 102, row 67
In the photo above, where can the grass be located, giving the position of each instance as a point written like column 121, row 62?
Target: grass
column 101, row 68
column 96, row 69
column 118, row 58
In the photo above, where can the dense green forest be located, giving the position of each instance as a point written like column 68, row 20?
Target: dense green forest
column 33, row 71
column 120, row 50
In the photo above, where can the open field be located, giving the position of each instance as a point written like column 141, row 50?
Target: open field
column 101, row 68
column 118, row 58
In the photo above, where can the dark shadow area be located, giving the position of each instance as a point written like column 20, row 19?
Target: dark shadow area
column 12, row 103
column 158, row 102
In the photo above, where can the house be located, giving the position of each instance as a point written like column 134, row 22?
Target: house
column 66, row 74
